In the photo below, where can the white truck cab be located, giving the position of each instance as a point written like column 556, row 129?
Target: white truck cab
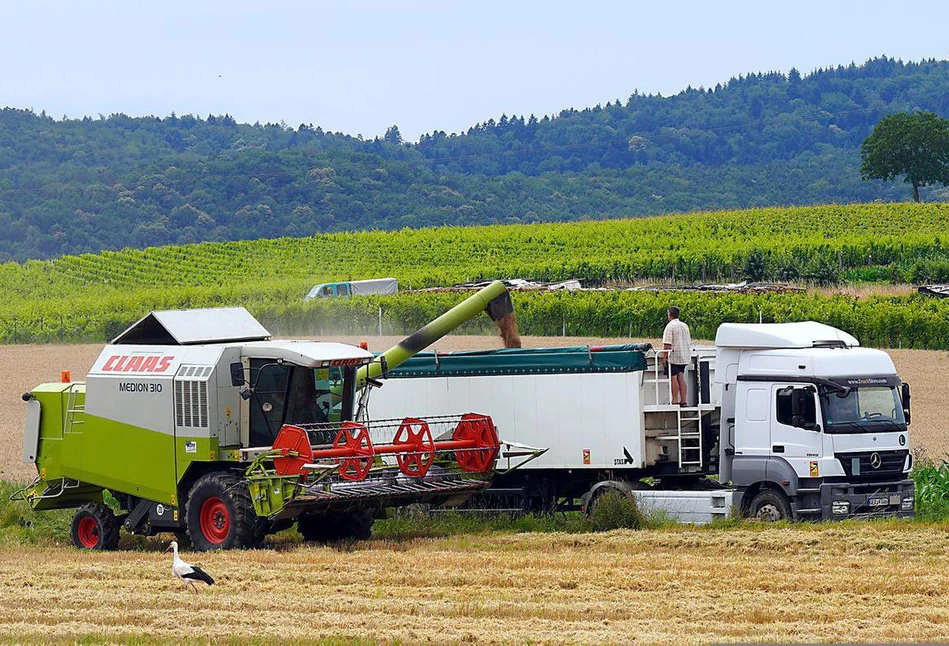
column 809, row 414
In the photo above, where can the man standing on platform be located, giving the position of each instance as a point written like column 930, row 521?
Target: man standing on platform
column 677, row 346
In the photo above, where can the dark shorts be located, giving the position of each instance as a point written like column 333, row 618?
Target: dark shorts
column 676, row 368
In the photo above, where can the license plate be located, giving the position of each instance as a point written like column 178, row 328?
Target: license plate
column 878, row 501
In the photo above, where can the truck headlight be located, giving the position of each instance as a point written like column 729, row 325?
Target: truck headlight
column 840, row 507
column 907, row 504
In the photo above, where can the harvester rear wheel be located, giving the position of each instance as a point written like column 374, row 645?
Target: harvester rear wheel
column 329, row 528
column 220, row 514
column 95, row 527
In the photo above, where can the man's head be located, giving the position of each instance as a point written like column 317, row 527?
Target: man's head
column 673, row 313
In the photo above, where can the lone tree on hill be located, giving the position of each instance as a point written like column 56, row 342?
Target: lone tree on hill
column 915, row 145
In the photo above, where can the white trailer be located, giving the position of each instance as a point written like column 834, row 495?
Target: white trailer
column 382, row 286
column 795, row 420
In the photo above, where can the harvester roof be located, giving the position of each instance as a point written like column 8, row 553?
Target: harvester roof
column 193, row 327
column 309, row 354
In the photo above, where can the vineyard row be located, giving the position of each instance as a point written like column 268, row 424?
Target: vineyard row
column 885, row 321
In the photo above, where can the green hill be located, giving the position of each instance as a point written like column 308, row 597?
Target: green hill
column 91, row 297
column 83, row 185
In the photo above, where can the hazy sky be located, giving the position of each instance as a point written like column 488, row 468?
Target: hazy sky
column 359, row 67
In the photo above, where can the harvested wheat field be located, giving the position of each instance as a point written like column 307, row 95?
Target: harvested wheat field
column 872, row 582
column 24, row 366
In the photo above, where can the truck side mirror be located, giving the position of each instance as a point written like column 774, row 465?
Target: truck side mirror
column 803, row 411
column 237, row 374
column 906, row 398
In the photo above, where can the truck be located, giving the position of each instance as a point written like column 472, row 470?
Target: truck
column 782, row 421
column 383, row 286
column 198, row 422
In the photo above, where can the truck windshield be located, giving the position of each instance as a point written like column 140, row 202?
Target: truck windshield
column 865, row 409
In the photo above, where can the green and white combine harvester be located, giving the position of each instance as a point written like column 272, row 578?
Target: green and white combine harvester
column 198, row 423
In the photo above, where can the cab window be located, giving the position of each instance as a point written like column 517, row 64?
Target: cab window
column 795, row 407
column 287, row 394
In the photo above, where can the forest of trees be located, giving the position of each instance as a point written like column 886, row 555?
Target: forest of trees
column 79, row 185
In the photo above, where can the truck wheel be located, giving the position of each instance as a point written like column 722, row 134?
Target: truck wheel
column 769, row 506
column 221, row 516
column 95, row 527
column 328, row 528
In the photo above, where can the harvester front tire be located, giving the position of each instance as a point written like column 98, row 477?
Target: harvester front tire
column 95, row 527
column 221, row 516
column 329, row 528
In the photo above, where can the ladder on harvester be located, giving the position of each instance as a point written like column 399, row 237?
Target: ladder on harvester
column 73, row 407
column 668, row 422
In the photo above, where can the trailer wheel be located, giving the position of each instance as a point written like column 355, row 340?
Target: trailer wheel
column 95, row 527
column 328, row 528
column 769, row 506
column 220, row 514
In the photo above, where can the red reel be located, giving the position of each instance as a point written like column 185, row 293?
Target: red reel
column 415, row 439
column 295, row 451
column 479, row 430
column 355, row 437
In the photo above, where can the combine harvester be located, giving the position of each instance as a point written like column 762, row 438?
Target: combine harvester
column 795, row 420
column 198, row 423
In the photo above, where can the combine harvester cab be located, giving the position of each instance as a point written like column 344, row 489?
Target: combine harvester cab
column 196, row 421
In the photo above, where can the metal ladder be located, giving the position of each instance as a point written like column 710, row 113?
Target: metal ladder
column 688, row 438
column 72, row 408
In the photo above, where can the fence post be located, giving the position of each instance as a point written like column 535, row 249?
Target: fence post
column 380, row 320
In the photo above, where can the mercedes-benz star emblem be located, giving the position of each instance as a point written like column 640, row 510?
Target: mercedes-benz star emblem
column 875, row 460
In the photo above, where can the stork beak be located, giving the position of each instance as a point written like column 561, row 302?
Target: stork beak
column 167, row 549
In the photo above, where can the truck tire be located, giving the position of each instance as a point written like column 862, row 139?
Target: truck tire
column 220, row 514
column 329, row 528
column 95, row 527
column 769, row 506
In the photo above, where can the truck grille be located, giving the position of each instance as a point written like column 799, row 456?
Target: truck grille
column 859, row 464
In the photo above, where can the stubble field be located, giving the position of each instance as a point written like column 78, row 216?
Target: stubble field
column 872, row 582
column 881, row 581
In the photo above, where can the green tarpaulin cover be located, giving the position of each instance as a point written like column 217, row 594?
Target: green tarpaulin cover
column 525, row 361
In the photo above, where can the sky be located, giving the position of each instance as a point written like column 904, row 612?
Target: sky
column 359, row 67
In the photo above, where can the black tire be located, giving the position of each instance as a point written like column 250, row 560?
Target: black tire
column 220, row 514
column 769, row 506
column 95, row 527
column 332, row 527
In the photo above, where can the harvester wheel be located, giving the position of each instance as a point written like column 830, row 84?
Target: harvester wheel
column 221, row 515
column 329, row 528
column 95, row 527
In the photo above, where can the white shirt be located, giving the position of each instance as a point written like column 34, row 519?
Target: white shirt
column 677, row 335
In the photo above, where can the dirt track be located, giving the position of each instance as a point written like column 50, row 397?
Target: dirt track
column 24, row 366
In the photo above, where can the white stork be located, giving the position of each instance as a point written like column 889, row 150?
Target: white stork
column 188, row 574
